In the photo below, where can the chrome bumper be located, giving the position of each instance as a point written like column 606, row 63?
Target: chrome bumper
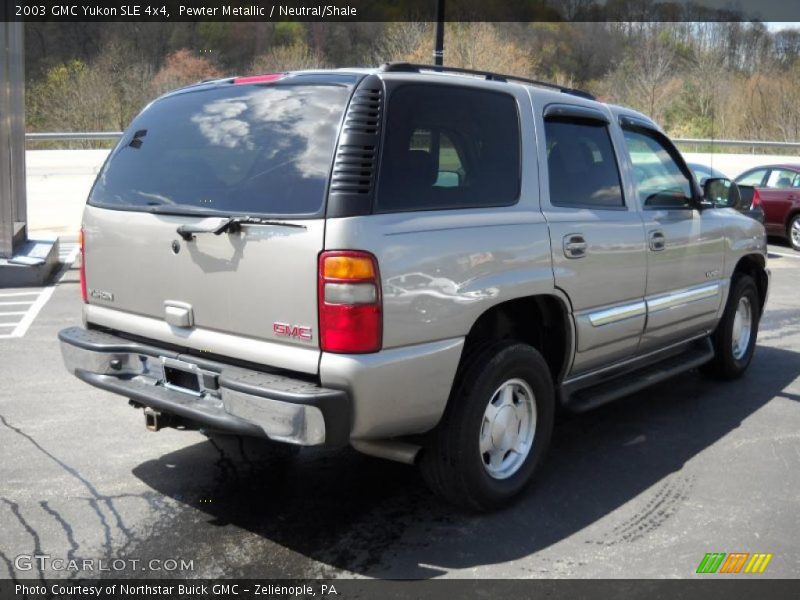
column 227, row 398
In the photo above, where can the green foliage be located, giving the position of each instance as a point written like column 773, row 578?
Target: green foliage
column 696, row 79
column 289, row 33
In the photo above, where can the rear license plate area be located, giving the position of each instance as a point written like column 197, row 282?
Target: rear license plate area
column 182, row 380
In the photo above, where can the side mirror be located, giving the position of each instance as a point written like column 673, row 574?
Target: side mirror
column 719, row 192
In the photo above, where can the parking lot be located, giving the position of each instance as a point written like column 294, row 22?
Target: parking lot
column 644, row 487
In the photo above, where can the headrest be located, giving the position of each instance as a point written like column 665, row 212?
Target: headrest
column 419, row 167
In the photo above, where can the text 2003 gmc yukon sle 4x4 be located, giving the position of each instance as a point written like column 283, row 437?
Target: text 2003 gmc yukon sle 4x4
column 419, row 264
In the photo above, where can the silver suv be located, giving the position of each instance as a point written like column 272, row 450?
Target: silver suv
column 419, row 263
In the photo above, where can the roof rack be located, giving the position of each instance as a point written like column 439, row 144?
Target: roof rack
column 406, row 67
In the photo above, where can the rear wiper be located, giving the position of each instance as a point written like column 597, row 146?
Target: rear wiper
column 220, row 225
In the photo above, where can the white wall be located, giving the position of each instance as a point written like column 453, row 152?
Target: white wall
column 58, row 184
column 59, row 181
column 735, row 164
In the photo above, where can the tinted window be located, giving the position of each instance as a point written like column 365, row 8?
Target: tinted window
column 752, row 177
column 581, row 164
column 449, row 147
column 659, row 180
column 234, row 148
column 780, row 178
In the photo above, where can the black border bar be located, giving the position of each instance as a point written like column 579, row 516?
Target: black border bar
column 402, row 10
column 709, row 587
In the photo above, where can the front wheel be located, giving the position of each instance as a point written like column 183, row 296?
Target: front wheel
column 794, row 232
column 734, row 340
column 496, row 428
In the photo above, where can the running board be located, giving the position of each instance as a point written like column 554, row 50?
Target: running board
column 580, row 399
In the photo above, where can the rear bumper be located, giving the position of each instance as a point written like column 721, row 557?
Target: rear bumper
column 229, row 398
column 754, row 213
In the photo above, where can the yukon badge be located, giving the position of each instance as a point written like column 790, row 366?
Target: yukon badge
column 300, row 332
column 102, row 295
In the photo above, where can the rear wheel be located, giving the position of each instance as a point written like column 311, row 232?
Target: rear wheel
column 735, row 337
column 496, row 429
column 793, row 232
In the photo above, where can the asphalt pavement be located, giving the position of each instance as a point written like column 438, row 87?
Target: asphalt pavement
column 644, row 487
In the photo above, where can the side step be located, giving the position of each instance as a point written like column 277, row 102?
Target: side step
column 625, row 383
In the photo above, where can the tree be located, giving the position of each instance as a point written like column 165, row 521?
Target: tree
column 647, row 79
column 295, row 57
column 182, row 68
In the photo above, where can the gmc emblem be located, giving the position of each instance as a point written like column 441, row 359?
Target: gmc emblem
column 299, row 332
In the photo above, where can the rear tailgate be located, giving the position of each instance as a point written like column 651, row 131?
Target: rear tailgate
column 212, row 153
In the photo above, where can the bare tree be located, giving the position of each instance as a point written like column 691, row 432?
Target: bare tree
column 646, row 79
column 295, row 57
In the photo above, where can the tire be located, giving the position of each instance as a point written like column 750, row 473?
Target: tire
column 452, row 463
column 793, row 232
column 731, row 360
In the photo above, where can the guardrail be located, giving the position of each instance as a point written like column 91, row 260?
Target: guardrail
column 722, row 143
column 77, row 136
column 73, row 136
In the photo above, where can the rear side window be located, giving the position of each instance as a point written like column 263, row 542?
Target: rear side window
column 263, row 149
column 448, row 147
column 581, row 165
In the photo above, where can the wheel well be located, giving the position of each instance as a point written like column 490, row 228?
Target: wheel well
column 754, row 266
column 792, row 214
column 540, row 321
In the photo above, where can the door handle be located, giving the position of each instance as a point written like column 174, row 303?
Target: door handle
column 658, row 241
column 575, row 245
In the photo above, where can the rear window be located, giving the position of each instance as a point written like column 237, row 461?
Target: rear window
column 250, row 149
column 449, row 147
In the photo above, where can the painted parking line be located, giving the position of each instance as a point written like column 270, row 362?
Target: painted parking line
column 18, row 321
column 17, row 294
column 67, row 252
column 784, row 254
column 19, row 309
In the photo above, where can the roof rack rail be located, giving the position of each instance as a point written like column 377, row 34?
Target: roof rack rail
column 406, row 67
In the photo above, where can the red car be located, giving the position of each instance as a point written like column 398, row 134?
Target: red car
column 778, row 188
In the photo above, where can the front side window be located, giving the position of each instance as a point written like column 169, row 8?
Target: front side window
column 448, row 147
column 659, row 180
column 581, row 165
column 754, row 178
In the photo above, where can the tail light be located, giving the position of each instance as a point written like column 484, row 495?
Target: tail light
column 756, row 199
column 82, row 243
column 350, row 305
column 259, row 78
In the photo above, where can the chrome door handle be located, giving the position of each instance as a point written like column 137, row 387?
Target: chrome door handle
column 658, row 241
column 575, row 245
